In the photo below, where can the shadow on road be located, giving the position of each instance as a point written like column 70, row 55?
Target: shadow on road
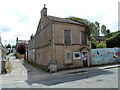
column 40, row 77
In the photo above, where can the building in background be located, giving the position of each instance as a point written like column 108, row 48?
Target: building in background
column 100, row 39
column 3, row 54
column 59, row 43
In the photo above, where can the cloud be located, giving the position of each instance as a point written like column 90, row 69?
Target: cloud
column 20, row 17
column 4, row 28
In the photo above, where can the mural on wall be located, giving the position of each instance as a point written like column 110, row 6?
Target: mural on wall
column 105, row 56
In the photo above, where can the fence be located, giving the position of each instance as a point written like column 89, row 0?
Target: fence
column 105, row 56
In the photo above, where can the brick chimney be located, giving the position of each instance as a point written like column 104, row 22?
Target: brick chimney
column 44, row 11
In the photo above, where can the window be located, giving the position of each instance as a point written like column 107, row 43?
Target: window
column 67, row 37
column 68, row 56
column 84, row 38
column 76, row 55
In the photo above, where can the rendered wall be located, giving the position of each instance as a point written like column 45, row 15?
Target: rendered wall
column 105, row 56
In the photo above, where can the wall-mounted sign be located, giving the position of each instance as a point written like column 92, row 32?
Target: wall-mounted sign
column 76, row 55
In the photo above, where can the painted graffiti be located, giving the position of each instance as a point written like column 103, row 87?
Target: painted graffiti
column 105, row 56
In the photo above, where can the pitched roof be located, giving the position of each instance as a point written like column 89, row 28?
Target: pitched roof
column 64, row 20
column 101, row 38
column 22, row 41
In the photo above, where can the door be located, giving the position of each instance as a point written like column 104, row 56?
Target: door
column 85, row 59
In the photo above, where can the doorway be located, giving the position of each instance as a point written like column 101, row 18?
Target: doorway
column 85, row 59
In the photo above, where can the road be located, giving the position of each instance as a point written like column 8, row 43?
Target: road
column 25, row 76
column 96, row 79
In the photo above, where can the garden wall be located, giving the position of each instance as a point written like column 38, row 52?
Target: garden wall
column 105, row 56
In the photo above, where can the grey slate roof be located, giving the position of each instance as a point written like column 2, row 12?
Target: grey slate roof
column 101, row 38
column 64, row 20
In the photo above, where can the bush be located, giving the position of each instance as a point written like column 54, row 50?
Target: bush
column 101, row 45
column 8, row 67
column 16, row 55
column 94, row 44
column 113, row 41
column 21, row 48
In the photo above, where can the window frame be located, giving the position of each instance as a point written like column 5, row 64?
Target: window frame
column 86, row 38
column 79, row 55
column 65, row 36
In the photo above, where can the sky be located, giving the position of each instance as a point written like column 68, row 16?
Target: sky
column 20, row 18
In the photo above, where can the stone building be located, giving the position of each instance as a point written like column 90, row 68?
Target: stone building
column 100, row 39
column 3, row 54
column 59, row 43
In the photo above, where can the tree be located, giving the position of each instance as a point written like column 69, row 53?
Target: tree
column 21, row 48
column 90, row 30
column 112, row 34
column 94, row 44
column 97, row 29
column 88, row 24
column 103, row 29
column 114, row 40
column 13, row 46
column 8, row 46
column 107, row 32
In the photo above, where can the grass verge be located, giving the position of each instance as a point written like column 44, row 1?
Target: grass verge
column 8, row 67
column 16, row 55
column 35, row 65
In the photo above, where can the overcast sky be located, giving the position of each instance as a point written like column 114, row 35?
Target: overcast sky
column 19, row 18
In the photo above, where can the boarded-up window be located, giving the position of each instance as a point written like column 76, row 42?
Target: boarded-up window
column 67, row 37
column 84, row 38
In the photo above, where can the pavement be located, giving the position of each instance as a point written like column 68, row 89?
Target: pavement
column 86, row 69
column 25, row 75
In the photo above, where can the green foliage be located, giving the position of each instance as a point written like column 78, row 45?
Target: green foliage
column 87, row 23
column 35, row 65
column 84, row 21
column 114, row 40
column 8, row 67
column 13, row 46
column 8, row 46
column 94, row 44
column 16, row 55
column 103, row 29
column 112, row 34
column 107, row 31
column 93, row 29
column 100, row 45
column 97, row 29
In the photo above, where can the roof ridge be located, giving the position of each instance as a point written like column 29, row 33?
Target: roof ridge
column 59, row 19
